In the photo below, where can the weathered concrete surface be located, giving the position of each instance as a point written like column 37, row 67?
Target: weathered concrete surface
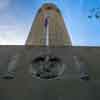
column 69, row 86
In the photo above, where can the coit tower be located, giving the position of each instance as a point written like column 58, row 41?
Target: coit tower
column 48, row 28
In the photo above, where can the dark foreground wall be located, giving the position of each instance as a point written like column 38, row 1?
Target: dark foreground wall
column 15, row 62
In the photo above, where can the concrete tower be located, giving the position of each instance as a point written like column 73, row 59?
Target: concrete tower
column 48, row 28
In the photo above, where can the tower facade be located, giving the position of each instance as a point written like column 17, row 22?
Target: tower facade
column 48, row 28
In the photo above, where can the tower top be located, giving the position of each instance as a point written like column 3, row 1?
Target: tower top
column 49, row 6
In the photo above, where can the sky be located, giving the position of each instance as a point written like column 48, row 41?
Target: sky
column 17, row 16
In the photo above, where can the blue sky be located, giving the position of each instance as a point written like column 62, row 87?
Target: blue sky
column 16, row 17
